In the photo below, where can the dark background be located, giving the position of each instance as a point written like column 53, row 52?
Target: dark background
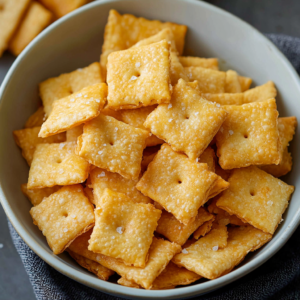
column 268, row 16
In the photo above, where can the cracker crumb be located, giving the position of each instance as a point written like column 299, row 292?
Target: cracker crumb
column 215, row 248
column 184, row 251
column 120, row 230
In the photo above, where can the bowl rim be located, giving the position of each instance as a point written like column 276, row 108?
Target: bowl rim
column 111, row 288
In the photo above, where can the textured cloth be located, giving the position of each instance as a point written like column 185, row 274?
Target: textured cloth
column 278, row 278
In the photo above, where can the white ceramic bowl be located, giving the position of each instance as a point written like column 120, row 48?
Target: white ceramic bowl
column 75, row 41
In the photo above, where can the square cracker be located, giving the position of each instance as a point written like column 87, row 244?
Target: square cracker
column 160, row 253
column 63, row 216
column 188, row 123
column 27, row 139
column 232, row 83
column 136, row 118
column 123, row 31
column 92, row 266
column 102, row 179
column 113, row 145
column 73, row 110
column 73, row 133
column 180, row 185
column 69, row 83
column 36, row 119
column 38, row 195
column 35, row 20
column 209, row 81
column 208, row 63
column 124, row 229
column 61, row 8
column 139, row 76
column 203, row 260
column 56, row 164
column 249, row 136
column 256, row 198
column 11, row 14
column 203, row 229
column 177, row 232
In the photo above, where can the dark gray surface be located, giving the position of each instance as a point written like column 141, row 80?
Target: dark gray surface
column 272, row 16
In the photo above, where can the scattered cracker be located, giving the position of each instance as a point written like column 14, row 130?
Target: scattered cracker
column 63, row 216
column 12, row 12
column 102, row 179
column 190, row 124
column 35, row 20
column 131, row 86
column 56, row 164
column 208, row 63
column 177, row 232
column 232, row 83
column 36, row 119
column 92, row 266
column 113, row 145
column 123, row 31
column 260, row 93
column 256, row 198
column 124, row 229
column 249, row 135
column 73, row 110
column 66, row 84
column 38, row 195
column 210, row 263
column 27, row 139
column 180, row 185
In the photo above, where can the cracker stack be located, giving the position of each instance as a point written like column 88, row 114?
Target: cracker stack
column 156, row 166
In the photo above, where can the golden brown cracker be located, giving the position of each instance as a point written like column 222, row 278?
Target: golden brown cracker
column 36, row 119
column 232, row 83
column 73, row 133
column 63, row 216
column 180, row 185
column 176, row 69
column 123, row 229
column 27, row 139
column 56, row 164
column 73, row 110
column 113, row 145
column 211, row 263
column 203, row 229
column 245, row 83
column 286, row 128
column 36, row 19
column 256, row 198
column 208, row 157
column 249, row 135
column 190, row 61
column 260, row 93
column 139, row 76
column 66, row 84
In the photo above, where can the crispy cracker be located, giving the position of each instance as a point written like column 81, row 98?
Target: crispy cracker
column 27, row 139
column 139, row 76
column 209, row 81
column 123, row 281
column 232, row 83
column 124, row 229
column 180, row 185
column 63, row 216
column 36, row 119
column 160, row 253
column 92, row 266
column 136, row 118
column 102, row 179
column 113, row 145
column 177, row 232
column 56, row 164
column 73, row 133
column 203, row 229
column 176, row 69
column 208, row 157
column 38, row 195
column 256, row 198
column 11, row 14
column 245, row 83
column 73, row 110
column 35, row 20
column 61, row 8
column 66, row 84
column 219, row 186
column 203, row 260
column 286, row 128
column 123, row 31
column 188, row 123
column 208, row 63
column 249, row 135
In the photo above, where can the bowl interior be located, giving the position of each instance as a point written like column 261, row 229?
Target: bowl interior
column 75, row 41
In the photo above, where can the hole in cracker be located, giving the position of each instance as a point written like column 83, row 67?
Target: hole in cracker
column 252, row 193
column 58, row 161
column 187, row 117
column 111, row 143
column 179, row 181
column 245, row 135
column 65, row 215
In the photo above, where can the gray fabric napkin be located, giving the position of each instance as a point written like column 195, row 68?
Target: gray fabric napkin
column 278, row 278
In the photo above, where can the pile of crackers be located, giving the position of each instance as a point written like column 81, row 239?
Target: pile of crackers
column 22, row 20
column 156, row 166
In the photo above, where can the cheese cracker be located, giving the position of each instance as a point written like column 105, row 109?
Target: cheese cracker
column 190, row 61
column 36, row 119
